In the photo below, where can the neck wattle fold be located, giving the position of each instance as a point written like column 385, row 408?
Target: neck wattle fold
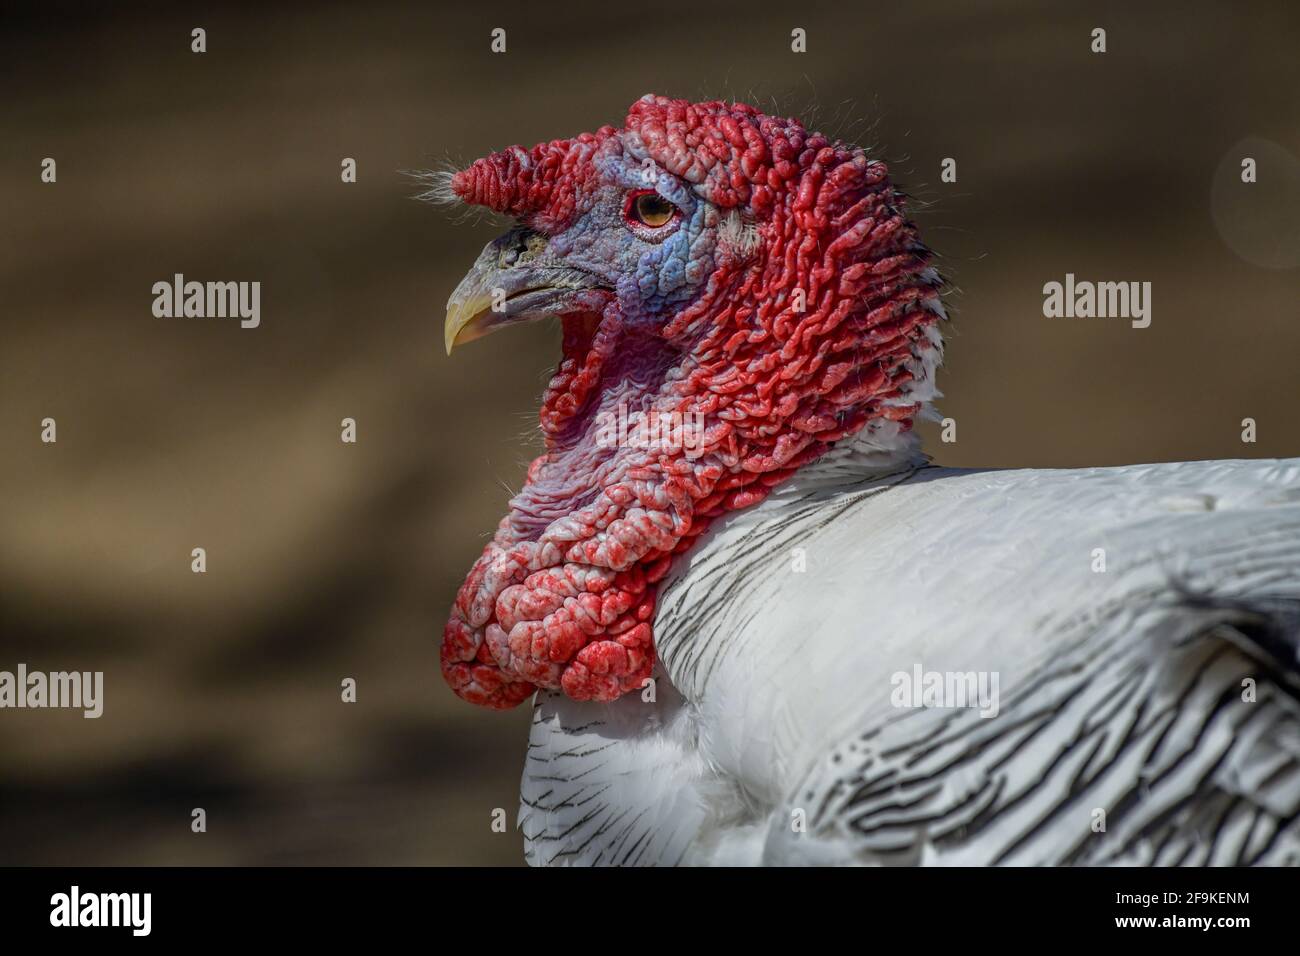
column 589, row 341
column 563, row 597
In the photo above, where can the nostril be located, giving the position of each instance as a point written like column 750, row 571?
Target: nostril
column 518, row 247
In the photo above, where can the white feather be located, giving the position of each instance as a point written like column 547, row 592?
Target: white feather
column 781, row 680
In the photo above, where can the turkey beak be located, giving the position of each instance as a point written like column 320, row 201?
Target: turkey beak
column 511, row 282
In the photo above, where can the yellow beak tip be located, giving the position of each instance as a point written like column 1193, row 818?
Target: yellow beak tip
column 461, row 324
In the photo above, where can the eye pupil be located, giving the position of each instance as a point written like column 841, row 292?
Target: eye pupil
column 652, row 210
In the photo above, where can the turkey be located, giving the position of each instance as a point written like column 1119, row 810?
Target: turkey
column 760, row 628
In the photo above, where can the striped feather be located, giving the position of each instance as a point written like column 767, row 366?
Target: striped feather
column 1121, row 691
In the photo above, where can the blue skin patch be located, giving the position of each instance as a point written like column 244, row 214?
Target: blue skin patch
column 655, row 272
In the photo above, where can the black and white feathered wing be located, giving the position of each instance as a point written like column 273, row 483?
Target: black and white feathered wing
column 1141, row 623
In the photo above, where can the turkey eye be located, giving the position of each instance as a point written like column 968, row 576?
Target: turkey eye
column 651, row 209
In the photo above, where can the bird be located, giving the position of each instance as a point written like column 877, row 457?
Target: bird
column 759, row 627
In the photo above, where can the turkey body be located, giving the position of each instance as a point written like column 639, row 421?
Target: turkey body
column 1139, row 625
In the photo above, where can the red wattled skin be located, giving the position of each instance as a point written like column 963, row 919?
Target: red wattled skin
column 563, row 597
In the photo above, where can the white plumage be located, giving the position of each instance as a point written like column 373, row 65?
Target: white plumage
column 773, row 739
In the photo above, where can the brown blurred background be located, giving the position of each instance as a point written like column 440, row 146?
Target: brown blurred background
column 328, row 560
